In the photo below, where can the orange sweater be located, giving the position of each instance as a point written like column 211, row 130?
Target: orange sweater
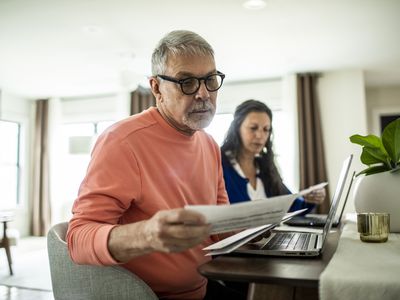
column 139, row 166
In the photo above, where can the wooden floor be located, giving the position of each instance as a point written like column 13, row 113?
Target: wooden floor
column 13, row 293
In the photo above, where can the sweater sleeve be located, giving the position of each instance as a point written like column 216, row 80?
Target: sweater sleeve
column 111, row 184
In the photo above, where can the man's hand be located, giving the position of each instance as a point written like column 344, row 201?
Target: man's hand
column 167, row 231
column 176, row 230
column 315, row 197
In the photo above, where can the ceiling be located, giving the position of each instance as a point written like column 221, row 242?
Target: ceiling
column 84, row 47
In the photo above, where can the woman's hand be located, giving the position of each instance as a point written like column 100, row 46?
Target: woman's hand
column 315, row 197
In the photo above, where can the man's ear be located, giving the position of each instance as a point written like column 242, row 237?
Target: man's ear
column 155, row 88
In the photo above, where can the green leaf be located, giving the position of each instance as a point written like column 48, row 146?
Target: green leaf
column 373, row 170
column 373, row 150
column 371, row 141
column 370, row 156
column 391, row 140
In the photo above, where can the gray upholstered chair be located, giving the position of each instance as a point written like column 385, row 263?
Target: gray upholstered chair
column 74, row 282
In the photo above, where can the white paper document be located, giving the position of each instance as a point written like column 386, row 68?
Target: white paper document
column 313, row 188
column 235, row 241
column 298, row 229
column 224, row 218
column 249, row 214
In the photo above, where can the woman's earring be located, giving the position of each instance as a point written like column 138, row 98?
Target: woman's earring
column 265, row 150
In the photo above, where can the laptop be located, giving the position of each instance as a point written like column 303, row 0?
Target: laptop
column 319, row 220
column 300, row 244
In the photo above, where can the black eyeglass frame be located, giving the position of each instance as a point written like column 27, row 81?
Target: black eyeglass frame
column 199, row 79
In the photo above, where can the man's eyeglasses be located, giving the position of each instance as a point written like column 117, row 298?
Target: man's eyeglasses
column 191, row 85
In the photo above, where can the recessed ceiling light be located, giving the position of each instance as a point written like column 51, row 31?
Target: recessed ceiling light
column 254, row 4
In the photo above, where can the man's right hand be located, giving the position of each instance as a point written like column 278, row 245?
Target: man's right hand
column 167, row 231
column 176, row 230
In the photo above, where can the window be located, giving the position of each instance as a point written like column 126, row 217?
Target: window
column 219, row 127
column 9, row 164
column 77, row 141
column 283, row 151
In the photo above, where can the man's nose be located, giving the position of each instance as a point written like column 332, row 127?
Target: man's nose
column 203, row 93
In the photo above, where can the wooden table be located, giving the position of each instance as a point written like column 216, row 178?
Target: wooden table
column 5, row 242
column 274, row 277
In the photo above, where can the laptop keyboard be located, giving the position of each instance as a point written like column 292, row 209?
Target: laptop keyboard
column 288, row 241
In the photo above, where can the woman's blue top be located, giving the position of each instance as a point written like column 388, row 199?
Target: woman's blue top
column 236, row 186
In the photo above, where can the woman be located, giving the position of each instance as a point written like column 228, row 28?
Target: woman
column 248, row 159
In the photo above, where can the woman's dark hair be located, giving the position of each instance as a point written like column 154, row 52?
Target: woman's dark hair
column 232, row 146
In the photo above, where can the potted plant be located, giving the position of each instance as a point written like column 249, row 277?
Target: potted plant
column 378, row 187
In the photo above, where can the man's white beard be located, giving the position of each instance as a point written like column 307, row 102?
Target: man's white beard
column 200, row 123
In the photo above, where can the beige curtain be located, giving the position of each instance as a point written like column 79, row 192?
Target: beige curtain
column 141, row 99
column 40, row 201
column 312, row 157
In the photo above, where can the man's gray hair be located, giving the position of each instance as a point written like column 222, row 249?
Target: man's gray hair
column 175, row 43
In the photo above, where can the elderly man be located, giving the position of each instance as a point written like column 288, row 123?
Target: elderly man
column 146, row 168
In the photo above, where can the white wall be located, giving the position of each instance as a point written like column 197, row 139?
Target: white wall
column 381, row 101
column 233, row 93
column 96, row 108
column 14, row 108
column 343, row 113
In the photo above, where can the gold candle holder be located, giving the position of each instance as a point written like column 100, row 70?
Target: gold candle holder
column 373, row 227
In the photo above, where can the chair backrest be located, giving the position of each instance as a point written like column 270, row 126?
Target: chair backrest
column 72, row 281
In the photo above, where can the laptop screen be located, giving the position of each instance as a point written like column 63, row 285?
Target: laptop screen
column 336, row 197
column 346, row 197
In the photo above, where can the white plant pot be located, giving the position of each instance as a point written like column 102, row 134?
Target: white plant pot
column 379, row 193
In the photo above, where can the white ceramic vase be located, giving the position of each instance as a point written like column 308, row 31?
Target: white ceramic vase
column 379, row 193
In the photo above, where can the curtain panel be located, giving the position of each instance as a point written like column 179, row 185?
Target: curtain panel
column 40, row 197
column 141, row 99
column 311, row 148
